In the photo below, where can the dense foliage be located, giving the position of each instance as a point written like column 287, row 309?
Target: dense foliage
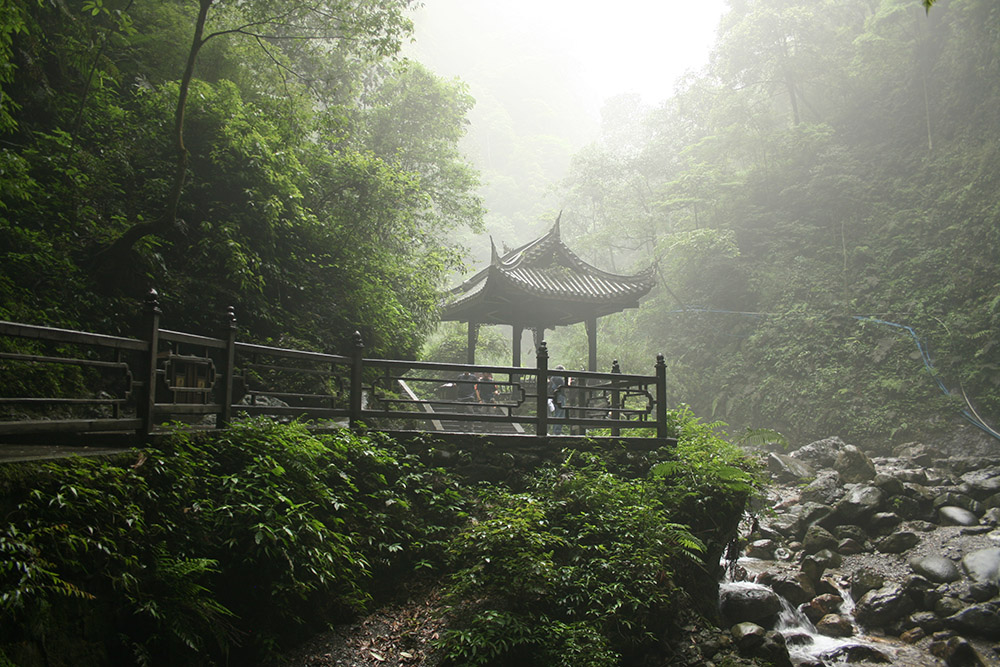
column 273, row 156
column 829, row 180
column 210, row 546
column 220, row 548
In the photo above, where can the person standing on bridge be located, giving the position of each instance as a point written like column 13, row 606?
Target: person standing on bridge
column 557, row 398
column 486, row 389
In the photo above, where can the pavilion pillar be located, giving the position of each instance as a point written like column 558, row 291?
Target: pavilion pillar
column 470, row 354
column 591, row 324
column 516, row 344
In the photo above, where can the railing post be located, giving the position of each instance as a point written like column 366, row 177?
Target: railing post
column 616, row 401
column 228, row 366
column 146, row 400
column 357, row 363
column 542, row 390
column 661, row 396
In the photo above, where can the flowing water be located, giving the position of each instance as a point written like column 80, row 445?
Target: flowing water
column 807, row 645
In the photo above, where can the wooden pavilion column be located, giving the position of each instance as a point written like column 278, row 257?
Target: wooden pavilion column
column 591, row 324
column 516, row 344
column 470, row 354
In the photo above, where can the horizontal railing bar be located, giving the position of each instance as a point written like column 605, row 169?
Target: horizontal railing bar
column 193, row 339
column 288, row 410
column 69, row 336
column 291, row 354
column 69, row 425
column 281, row 394
column 291, row 369
column 505, row 370
column 65, row 401
column 69, row 361
column 186, row 408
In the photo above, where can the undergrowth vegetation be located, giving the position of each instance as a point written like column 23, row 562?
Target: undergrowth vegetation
column 226, row 547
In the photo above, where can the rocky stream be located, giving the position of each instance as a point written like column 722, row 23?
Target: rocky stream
column 859, row 559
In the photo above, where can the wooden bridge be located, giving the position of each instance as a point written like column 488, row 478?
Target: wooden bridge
column 59, row 382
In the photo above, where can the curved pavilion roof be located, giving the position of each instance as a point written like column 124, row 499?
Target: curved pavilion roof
column 544, row 283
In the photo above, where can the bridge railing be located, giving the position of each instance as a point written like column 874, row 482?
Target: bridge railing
column 58, row 380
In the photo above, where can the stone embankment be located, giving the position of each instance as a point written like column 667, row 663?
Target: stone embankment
column 889, row 559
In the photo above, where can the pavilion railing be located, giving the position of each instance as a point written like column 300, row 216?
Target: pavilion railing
column 58, row 380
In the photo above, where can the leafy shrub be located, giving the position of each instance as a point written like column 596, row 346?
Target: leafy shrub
column 212, row 545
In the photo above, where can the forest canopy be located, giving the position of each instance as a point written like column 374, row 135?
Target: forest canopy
column 274, row 156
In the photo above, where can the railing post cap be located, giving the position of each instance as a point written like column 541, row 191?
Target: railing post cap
column 358, row 342
column 153, row 301
column 231, row 317
column 543, row 349
column 659, row 359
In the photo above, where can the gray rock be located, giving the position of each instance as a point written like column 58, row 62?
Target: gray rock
column 948, row 606
column 856, row 533
column 848, row 547
column 810, row 513
column 865, row 579
column 818, row 538
column 921, row 590
column 884, row 606
column 821, row 605
column 835, row 625
column 983, row 483
column 796, row 588
column 906, row 507
column 949, row 515
column 983, row 566
column 991, row 517
column 978, row 619
column 898, row 542
column 784, row 524
column 825, row 489
column 916, row 452
column 747, row 636
column 855, row 653
column 959, row 500
column 938, row 569
column 956, row 652
column 827, row 558
column 858, row 504
column 740, row 603
column 890, row 485
column 884, row 522
column 927, row 620
column 784, row 468
column 763, row 549
column 821, row 453
column 854, row 465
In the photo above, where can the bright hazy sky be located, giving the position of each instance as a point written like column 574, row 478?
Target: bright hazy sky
column 607, row 48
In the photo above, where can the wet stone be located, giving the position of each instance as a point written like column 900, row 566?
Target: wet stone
column 884, row 606
column 856, row 653
column 890, row 485
column 884, row 522
column 821, row 605
column 849, row 547
column 763, row 549
column 897, row 542
column 927, row 620
column 818, row 538
column 978, row 619
column 936, row 568
column 835, row 625
column 863, row 580
column 950, row 515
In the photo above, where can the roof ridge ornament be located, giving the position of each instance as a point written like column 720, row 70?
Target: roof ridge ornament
column 555, row 228
column 494, row 255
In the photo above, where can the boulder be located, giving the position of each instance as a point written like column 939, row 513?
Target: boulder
column 958, row 500
column 853, row 465
column 982, row 483
column 949, row 515
column 747, row 636
column 983, row 566
column 821, row 453
column 848, row 547
column 948, row 605
column 938, row 569
column 956, row 652
column 865, row 579
column 818, row 538
column 822, row 605
column 784, row 468
column 884, row 522
column 922, row 591
column 762, row 549
column 884, row 606
column 979, row 619
column 852, row 653
column 784, row 524
column 858, row 504
column 796, row 588
column 835, row 625
column 890, row 485
column 906, row 507
column 810, row 513
column 746, row 602
column 827, row 558
column 916, row 452
column 898, row 542
column 927, row 620
column 856, row 533
column 825, row 489
column 991, row 517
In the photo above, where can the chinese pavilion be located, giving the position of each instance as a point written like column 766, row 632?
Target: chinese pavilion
column 540, row 286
